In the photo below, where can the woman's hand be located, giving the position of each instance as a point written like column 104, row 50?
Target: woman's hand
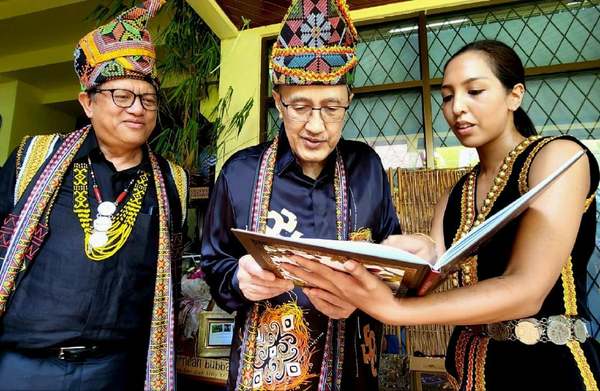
column 258, row 284
column 357, row 287
column 419, row 244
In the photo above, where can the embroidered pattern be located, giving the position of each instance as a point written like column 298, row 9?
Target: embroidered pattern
column 160, row 366
column 120, row 48
column 27, row 230
column 568, row 283
column 38, row 151
column 369, row 349
column 524, row 174
column 315, row 45
column 252, row 370
column 283, row 349
column 482, row 346
column 181, row 183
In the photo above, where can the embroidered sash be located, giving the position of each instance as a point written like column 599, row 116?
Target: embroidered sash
column 330, row 375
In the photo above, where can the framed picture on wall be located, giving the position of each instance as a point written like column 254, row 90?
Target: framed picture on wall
column 215, row 334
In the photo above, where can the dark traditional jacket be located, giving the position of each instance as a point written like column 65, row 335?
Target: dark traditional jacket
column 299, row 206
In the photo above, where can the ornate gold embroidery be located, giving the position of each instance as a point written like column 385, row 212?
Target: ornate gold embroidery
column 459, row 355
column 570, row 300
column 36, row 154
column 181, row 183
column 363, row 234
column 589, row 202
column 471, row 363
column 569, row 293
column 582, row 364
column 369, row 349
column 468, row 208
column 480, row 363
column 283, row 349
column 453, row 383
column 20, row 152
column 524, row 174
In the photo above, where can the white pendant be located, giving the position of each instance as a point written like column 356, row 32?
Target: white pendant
column 98, row 239
column 107, row 208
column 102, row 223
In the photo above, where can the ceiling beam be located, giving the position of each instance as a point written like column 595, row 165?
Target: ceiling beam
column 214, row 16
column 36, row 58
column 14, row 8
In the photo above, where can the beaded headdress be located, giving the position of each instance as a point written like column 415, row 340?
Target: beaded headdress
column 315, row 45
column 119, row 49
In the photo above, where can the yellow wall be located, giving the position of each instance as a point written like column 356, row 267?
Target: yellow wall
column 8, row 97
column 24, row 114
column 241, row 61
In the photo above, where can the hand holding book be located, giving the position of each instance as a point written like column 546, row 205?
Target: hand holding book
column 396, row 267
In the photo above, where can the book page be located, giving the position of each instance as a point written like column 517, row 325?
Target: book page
column 395, row 267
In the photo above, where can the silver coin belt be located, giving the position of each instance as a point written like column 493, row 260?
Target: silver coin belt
column 556, row 329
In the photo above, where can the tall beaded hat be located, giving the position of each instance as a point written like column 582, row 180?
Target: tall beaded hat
column 119, row 49
column 316, row 45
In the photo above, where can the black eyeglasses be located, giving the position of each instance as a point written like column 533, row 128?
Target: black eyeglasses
column 125, row 98
column 300, row 112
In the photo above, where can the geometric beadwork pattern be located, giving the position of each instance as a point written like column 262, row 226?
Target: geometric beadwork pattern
column 541, row 32
column 387, row 54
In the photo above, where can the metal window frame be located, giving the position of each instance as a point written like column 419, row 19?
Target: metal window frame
column 425, row 84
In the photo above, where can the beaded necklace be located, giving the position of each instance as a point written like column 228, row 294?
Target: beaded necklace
column 107, row 233
column 469, row 216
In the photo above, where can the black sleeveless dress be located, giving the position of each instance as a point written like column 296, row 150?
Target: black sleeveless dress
column 474, row 360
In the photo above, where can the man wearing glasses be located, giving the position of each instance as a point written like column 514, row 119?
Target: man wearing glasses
column 91, row 232
column 307, row 182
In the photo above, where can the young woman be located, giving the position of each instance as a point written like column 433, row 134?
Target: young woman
column 520, row 309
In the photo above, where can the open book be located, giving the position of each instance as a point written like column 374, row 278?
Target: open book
column 402, row 271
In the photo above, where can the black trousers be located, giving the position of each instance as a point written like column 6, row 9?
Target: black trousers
column 111, row 372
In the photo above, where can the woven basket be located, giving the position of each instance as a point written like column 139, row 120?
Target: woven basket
column 415, row 194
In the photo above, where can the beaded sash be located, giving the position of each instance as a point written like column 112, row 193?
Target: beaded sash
column 330, row 376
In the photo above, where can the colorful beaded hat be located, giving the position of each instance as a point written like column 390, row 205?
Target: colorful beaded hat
column 120, row 49
column 315, row 45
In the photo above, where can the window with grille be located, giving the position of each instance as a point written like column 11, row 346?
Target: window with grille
column 396, row 108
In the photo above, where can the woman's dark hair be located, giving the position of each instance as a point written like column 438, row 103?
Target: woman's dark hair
column 508, row 68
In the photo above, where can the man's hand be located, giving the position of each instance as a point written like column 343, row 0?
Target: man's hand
column 258, row 284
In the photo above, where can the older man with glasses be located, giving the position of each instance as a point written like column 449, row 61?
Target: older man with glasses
column 91, row 234
column 307, row 182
